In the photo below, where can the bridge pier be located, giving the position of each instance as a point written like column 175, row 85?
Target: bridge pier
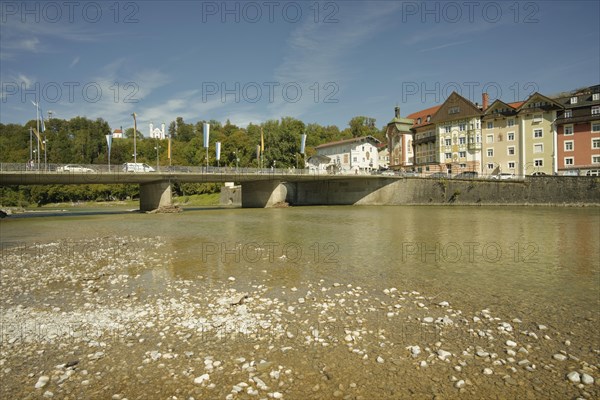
column 262, row 194
column 154, row 195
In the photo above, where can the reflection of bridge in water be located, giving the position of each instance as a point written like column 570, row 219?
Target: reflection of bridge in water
column 261, row 187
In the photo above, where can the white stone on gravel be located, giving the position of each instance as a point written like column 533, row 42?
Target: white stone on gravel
column 487, row 371
column 42, row 381
column 574, row 377
column 201, row 379
column 460, row 384
column 587, row 379
column 510, row 343
column 443, row 354
column 559, row 357
column 428, row 319
column 380, row 360
column 443, row 304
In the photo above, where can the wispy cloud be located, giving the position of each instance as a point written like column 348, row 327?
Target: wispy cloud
column 74, row 62
column 443, row 46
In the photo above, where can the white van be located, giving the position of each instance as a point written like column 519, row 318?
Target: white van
column 137, row 167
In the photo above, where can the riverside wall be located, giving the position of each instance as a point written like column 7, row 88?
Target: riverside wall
column 549, row 190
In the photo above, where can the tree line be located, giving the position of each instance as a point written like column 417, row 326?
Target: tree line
column 83, row 141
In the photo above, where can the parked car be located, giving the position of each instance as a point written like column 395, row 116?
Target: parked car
column 137, row 167
column 74, row 168
column 439, row 175
column 538, row 173
column 503, row 176
column 467, row 175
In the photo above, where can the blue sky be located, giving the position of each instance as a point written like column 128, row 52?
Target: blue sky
column 248, row 62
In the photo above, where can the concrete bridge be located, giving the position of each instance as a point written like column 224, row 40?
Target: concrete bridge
column 267, row 187
column 261, row 187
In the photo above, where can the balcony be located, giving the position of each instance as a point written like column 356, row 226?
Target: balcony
column 474, row 146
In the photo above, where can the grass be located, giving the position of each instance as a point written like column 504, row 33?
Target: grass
column 211, row 199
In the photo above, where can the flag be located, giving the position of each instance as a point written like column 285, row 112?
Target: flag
column 169, row 148
column 42, row 126
column 206, row 134
column 262, row 141
column 302, row 143
column 39, row 138
column 218, row 150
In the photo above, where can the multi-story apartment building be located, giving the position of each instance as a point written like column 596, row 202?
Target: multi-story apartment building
column 520, row 137
column 399, row 138
column 501, row 138
column 425, row 141
column 578, row 133
column 458, row 134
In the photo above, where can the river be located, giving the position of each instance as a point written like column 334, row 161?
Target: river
column 536, row 269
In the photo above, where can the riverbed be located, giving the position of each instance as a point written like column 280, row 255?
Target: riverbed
column 302, row 302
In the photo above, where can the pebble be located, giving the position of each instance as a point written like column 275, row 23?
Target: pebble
column 587, row 379
column 559, row 357
column 48, row 394
column 510, row 343
column 201, row 379
column 428, row 319
column 443, row 354
column 380, row 360
column 443, row 304
column 460, row 384
column 574, row 377
column 488, row 371
column 42, row 381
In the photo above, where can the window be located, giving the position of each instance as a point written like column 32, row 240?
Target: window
column 447, row 128
column 538, row 163
column 462, row 127
column 490, row 166
column 354, row 159
column 448, row 142
column 538, row 148
column 569, row 145
column 574, row 100
column 537, row 118
column 595, row 96
column 568, row 129
column 490, row 125
column 538, row 133
column 489, row 139
column 595, row 110
column 428, row 118
column 596, row 143
column 511, row 136
column 568, row 113
column 595, row 159
column 568, row 160
column 462, row 154
column 448, row 156
column 595, row 126
column 511, row 150
column 477, row 125
column 510, row 122
column 462, row 165
column 454, row 110
column 462, row 140
column 490, row 152
column 511, row 165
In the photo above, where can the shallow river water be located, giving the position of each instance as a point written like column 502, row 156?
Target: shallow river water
column 302, row 302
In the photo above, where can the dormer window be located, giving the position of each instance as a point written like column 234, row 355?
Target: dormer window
column 428, row 118
column 574, row 100
column 595, row 96
column 418, row 121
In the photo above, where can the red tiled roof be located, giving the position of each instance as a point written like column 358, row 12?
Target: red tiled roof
column 423, row 115
column 516, row 104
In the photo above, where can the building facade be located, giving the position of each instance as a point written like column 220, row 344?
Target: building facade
column 578, row 133
column 351, row 156
column 400, row 142
column 501, row 137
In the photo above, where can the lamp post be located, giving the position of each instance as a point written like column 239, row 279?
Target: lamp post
column 157, row 147
column 134, row 137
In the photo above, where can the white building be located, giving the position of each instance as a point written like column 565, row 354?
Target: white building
column 118, row 134
column 350, row 156
column 156, row 133
column 384, row 156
